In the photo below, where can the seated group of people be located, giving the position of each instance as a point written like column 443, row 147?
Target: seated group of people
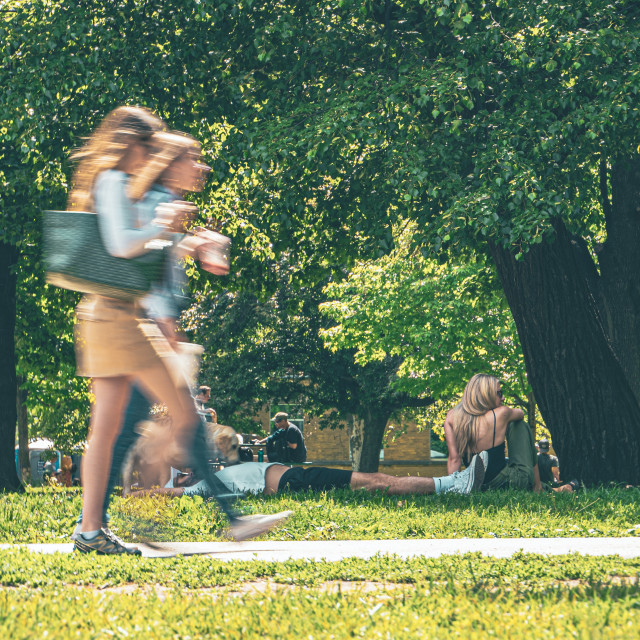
column 476, row 431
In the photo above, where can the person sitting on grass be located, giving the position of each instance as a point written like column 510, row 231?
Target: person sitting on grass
column 548, row 465
column 480, row 422
column 270, row 478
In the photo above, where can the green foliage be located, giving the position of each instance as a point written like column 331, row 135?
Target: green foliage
column 445, row 321
column 488, row 125
column 58, row 401
column 325, row 124
column 258, row 351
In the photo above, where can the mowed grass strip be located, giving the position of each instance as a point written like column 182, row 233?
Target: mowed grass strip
column 521, row 572
column 311, row 612
column 524, row 596
column 49, row 515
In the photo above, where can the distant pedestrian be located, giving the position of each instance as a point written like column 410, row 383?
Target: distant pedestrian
column 202, row 398
column 49, row 467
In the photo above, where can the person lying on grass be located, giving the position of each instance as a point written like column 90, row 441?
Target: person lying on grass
column 480, row 422
column 272, row 477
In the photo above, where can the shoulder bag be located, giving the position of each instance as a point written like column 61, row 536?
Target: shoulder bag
column 76, row 258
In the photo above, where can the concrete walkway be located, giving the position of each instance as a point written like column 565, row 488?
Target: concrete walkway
column 279, row 551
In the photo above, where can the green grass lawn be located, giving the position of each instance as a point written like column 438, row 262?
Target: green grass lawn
column 525, row 596
column 49, row 516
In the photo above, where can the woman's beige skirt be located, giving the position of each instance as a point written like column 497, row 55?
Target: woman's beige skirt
column 113, row 339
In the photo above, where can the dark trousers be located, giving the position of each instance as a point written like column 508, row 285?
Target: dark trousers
column 137, row 410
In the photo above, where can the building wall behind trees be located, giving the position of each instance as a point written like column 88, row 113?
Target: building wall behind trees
column 407, row 449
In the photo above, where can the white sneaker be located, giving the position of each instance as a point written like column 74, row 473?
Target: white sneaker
column 472, row 477
column 246, row 527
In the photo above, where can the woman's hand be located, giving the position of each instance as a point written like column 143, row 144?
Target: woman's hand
column 212, row 260
column 213, row 251
column 212, row 254
column 173, row 216
column 188, row 246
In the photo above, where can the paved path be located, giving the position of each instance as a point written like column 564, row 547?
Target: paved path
column 339, row 549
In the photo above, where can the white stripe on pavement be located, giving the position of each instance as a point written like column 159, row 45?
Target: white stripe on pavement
column 279, row 551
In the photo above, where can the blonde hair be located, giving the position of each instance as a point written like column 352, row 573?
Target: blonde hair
column 106, row 148
column 168, row 147
column 480, row 395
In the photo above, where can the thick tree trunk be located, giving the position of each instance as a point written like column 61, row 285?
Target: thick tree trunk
column 8, row 475
column 587, row 400
column 23, row 432
column 532, row 417
column 365, row 438
column 618, row 287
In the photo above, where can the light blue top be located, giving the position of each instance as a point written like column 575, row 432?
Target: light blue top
column 128, row 231
column 167, row 298
column 125, row 234
column 246, row 477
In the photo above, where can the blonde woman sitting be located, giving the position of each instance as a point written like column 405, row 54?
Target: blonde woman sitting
column 481, row 422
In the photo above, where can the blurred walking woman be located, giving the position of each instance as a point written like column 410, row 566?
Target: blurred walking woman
column 481, row 422
column 115, row 344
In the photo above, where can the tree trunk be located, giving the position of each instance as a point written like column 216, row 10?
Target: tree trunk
column 8, row 475
column 618, row 287
column 581, row 388
column 355, row 430
column 23, row 432
column 366, row 431
column 532, row 418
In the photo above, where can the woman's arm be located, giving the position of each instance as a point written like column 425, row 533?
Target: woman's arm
column 537, row 484
column 115, row 217
column 453, row 461
column 514, row 414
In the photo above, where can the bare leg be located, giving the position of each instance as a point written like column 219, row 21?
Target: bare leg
column 392, row 485
column 111, row 397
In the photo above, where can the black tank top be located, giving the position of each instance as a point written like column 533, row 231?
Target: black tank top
column 497, row 460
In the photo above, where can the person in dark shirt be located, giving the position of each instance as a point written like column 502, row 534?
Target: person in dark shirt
column 547, row 464
column 296, row 449
column 286, row 443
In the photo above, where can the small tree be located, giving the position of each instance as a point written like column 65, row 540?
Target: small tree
column 443, row 322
